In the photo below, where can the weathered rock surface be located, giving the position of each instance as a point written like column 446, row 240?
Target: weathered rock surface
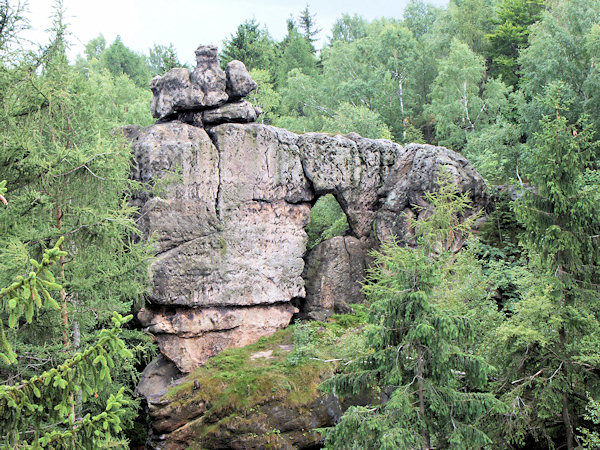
column 180, row 90
column 227, row 214
column 227, row 234
column 240, row 112
column 412, row 177
column 156, row 379
column 239, row 81
column 189, row 336
column 333, row 274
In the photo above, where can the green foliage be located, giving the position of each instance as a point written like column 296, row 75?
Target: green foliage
column 419, row 17
column 26, row 294
column 510, row 35
column 95, row 47
column 327, row 220
column 357, row 119
column 418, row 350
column 306, row 23
column 469, row 21
column 561, row 49
column 49, row 398
column 591, row 438
column 119, row 59
column 550, row 339
column 251, row 45
column 264, row 96
column 66, row 170
column 460, row 100
column 348, row 28
column 161, row 59
column 448, row 224
column 295, row 52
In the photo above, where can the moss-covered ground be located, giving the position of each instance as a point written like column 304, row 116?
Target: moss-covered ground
column 241, row 387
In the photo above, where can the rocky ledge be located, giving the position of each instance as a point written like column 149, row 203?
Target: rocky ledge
column 228, row 209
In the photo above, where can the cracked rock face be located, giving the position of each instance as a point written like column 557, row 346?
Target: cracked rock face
column 227, row 210
column 228, row 220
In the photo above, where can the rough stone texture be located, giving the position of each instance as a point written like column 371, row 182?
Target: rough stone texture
column 156, row 379
column 227, row 214
column 189, row 336
column 333, row 272
column 239, row 81
column 182, row 163
column 294, row 425
column 228, row 225
column 180, row 90
column 351, row 167
column 208, row 79
column 415, row 175
column 240, row 112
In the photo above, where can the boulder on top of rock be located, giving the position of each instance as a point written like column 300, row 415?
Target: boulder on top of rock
column 239, row 81
column 236, row 112
column 208, row 79
column 179, row 90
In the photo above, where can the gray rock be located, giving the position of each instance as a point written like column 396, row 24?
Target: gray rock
column 333, row 273
column 353, row 169
column 179, row 90
column 156, row 378
column 182, row 163
column 415, row 175
column 239, row 112
column 228, row 224
column 208, row 79
column 171, row 92
column 239, row 81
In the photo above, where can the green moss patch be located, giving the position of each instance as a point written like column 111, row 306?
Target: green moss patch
column 248, row 397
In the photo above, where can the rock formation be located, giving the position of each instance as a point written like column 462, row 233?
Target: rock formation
column 228, row 209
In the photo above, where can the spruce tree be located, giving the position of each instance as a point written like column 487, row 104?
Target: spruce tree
column 306, row 22
column 550, row 342
column 67, row 171
column 39, row 412
column 419, row 357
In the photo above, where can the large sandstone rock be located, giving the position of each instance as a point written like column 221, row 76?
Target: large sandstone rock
column 226, row 213
column 228, row 224
column 228, row 216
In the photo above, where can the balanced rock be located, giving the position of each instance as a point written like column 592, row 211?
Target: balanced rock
column 239, row 81
column 206, row 96
column 179, row 90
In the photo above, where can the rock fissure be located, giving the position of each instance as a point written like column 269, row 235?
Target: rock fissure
column 232, row 264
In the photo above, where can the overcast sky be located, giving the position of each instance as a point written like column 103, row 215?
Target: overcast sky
column 189, row 23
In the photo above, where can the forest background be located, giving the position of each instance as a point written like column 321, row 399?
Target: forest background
column 509, row 348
